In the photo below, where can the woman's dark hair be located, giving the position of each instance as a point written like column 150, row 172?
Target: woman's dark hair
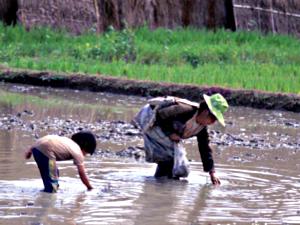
column 86, row 141
column 203, row 106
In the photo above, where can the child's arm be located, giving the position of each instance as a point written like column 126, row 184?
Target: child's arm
column 83, row 176
column 28, row 154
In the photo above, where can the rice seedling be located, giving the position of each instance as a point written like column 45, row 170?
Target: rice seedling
column 247, row 60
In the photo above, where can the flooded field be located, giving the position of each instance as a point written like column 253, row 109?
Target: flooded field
column 257, row 159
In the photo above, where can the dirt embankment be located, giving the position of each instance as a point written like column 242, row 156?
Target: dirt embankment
column 98, row 83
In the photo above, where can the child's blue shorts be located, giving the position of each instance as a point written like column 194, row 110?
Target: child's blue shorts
column 48, row 170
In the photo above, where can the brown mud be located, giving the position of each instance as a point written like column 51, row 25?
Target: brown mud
column 99, row 83
column 119, row 131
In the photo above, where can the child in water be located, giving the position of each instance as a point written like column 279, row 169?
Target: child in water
column 51, row 148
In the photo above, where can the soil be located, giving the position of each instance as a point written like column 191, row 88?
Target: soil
column 123, row 132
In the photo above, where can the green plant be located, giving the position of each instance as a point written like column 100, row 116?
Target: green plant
column 239, row 60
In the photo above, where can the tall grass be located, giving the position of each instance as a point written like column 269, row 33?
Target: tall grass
column 246, row 60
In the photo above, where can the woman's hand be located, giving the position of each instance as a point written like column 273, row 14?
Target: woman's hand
column 28, row 154
column 175, row 137
column 214, row 179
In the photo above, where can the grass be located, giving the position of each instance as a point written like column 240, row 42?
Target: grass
column 245, row 60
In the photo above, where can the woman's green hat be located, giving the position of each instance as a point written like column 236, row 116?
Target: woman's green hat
column 217, row 105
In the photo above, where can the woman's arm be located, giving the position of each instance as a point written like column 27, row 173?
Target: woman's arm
column 206, row 154
column 205, row 150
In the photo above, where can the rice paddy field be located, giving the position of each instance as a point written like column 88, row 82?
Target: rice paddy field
column 246, row 60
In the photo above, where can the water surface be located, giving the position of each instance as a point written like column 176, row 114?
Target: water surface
column 257, row 159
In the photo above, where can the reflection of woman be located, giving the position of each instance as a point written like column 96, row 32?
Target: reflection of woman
column 166, row 121
column 164, row 202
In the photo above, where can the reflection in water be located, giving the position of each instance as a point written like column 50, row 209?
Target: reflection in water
column 259, row 186
column 125, row 192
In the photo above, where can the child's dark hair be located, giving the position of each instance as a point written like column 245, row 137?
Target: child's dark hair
column 86, row 141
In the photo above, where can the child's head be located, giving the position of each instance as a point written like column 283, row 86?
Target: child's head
column 86, row 141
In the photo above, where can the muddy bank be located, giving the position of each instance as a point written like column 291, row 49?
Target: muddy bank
column 98, row 83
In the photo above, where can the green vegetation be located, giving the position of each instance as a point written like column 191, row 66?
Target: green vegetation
column 235, row 60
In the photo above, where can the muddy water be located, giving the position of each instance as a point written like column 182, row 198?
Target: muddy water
column 257, row 158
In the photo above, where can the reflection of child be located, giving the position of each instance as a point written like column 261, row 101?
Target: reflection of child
column 50, row 148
